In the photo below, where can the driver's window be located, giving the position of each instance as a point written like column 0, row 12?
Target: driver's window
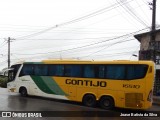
column 11, row 75
column 13, row 71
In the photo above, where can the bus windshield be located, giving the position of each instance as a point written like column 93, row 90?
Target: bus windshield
column 12, row 73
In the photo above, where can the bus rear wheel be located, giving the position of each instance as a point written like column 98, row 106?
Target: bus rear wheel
column 23, row 91
column 106, row 102
column 89, row 100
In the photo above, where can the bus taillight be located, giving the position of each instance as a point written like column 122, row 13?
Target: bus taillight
column 150, row 96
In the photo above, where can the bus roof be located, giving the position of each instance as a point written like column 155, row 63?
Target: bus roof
column 86, row 62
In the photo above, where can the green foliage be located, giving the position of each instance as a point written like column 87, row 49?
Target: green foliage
column 3, row 81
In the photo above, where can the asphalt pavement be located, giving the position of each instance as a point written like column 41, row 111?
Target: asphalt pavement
column 51, row 109
column 156, row 100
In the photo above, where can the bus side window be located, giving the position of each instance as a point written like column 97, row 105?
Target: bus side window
column 130, row 72
column 136, row 71
column 56, row 70
column 72, row 71
column 140, row 71
column 101, row 71
column 41, row 70
column 89, row 71
column 115, row 72
column 27, row 69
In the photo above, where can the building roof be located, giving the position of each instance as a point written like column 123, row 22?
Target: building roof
column 139, row 36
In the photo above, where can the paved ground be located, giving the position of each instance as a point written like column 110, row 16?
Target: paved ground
column 156, row 100
column 14, row 102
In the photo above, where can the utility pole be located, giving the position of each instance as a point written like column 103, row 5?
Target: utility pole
column 154, row 16
column 153, row 36
column 9, row 40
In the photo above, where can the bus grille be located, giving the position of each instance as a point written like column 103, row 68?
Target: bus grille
column 133, row 100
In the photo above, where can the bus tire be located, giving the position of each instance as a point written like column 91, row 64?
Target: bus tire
column 89, row 100
column 106, row 102
column 23, row 91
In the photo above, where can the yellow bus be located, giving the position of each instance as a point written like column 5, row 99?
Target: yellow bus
column 124, row 84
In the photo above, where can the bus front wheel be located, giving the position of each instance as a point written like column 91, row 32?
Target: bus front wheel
column 89, row 100
column 106, row 102
column 23, row 91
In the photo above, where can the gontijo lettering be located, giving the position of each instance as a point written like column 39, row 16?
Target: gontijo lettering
column 86, row 82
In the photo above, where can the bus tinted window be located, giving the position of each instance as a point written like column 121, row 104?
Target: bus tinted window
column 56, row 70
column 27, row 70
column 113, row 72
column 40, row 70
column 130, row 72
column 73, row 70
column 116, row 72
column 136, row 71
column 140, row 71
column 89, row 71
column 101, row 71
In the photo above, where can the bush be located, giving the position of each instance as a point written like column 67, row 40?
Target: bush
column 3, row 81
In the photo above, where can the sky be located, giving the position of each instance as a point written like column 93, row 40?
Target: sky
column 73, row 29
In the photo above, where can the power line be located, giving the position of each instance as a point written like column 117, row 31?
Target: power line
column 106, row 47
column 65, row 50
column 130, row 11
column 143, row 11
column 113, row 54
column 108, row 8
column 3, row 43
column 95, row 43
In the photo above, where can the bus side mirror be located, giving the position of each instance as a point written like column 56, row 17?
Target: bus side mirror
column 5, row 72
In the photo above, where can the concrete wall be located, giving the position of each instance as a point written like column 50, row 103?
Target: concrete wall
column 146, row 39
column 145, row 42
